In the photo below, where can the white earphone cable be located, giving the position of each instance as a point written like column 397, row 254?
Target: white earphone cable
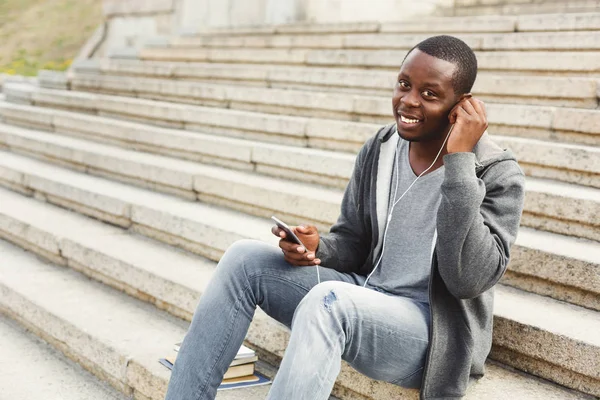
column 391, row 211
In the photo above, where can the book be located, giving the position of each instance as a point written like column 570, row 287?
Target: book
column 232, row 372
column 241, row 371
column 259, row 381
column 240, row 379
column 243, row 352
column 246, row 360
column 256, row 379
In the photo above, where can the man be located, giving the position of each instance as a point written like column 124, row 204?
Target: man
column 408, row 270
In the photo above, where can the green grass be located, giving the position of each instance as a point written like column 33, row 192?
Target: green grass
column 44, row 34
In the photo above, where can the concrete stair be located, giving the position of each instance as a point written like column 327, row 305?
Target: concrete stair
column 430, row 25
column 570, row 163
column 37, row 371
column 518, row 7
column 579, row 63
column 543, row 90
column 503, row 45
column 522, row 41
column 136, row 266
column 563, row 264
column 333, row 84
column 120, row 344
column 137, row 171
column 262, row 196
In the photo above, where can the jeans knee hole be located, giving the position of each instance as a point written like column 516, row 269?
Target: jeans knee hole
column 328, row 300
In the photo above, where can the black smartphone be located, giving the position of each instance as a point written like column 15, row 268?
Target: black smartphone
column 291, row 236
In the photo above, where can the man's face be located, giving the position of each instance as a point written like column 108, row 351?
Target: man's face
column 423, row 97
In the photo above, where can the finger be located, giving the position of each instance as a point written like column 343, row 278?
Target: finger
column 302, row 229
column 452, row 117
column 300, row 263
column 468, row 107
column 461, row 112
column 453, row 113
column 307, row 256
column 291, row 247
column 453, row 110
column 306, row 229
column 277, row 232
column 287, row 245
column 293, row 253
column 479, row 107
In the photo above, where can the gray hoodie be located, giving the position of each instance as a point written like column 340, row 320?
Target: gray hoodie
column 477, row 223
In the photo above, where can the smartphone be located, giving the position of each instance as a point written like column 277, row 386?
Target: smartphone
column 289, row 235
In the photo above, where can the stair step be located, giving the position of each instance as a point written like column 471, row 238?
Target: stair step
column 324, row 167
column 559, row 21
column 132, row 263
column 568, row 162
column 549, row 264
column 576, row 6
column 34, row 370
column 574, row 210
column 121, row 344
column 523, row 41
column 263, row 196
column 185, row 179
column 571, row 330
column 535, row 61
column 564, row 162
column 558, row 266
column 487, row 23
column 502, row 88
column 200, row 228
column 362, row 106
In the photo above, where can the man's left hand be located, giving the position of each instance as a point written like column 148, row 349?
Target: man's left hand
column 470, row 121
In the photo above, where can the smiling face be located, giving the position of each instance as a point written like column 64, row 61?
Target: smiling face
column 423, row 97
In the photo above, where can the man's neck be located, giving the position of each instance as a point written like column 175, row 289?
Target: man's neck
column 422, row 154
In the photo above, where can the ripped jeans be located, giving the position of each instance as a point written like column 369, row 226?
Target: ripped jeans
column 384, row 337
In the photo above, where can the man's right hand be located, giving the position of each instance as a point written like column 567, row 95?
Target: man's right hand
column 296, row 254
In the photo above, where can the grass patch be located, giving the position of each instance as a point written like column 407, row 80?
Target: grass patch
column 44, row 34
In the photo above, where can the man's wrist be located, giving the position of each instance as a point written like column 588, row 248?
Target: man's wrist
column 462, row 149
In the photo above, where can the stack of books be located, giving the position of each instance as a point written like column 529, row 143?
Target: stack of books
column 241, row 371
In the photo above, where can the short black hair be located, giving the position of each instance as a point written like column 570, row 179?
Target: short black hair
column 454, row 50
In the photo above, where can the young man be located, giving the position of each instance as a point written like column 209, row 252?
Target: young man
column 408, row 270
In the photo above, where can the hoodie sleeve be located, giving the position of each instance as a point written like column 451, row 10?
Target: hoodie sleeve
column 477, row 225
column 347, row 245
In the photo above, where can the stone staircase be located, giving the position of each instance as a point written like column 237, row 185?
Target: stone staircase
column 38, row 369
column 132, row 174
column 517, row 7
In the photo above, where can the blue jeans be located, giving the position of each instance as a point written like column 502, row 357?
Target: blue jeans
column 382, row 336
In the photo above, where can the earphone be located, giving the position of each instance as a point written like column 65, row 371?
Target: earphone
column 391, row 209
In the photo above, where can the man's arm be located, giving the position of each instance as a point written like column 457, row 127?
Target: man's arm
column 477, row 225
column 347, row 245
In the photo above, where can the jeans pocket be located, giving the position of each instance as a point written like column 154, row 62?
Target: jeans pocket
column 411, row 381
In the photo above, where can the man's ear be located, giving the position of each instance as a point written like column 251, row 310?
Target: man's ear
column 464, row 96
column 451, row 115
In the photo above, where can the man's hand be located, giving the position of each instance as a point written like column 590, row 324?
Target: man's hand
column 296, row 254
column 470, row 121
